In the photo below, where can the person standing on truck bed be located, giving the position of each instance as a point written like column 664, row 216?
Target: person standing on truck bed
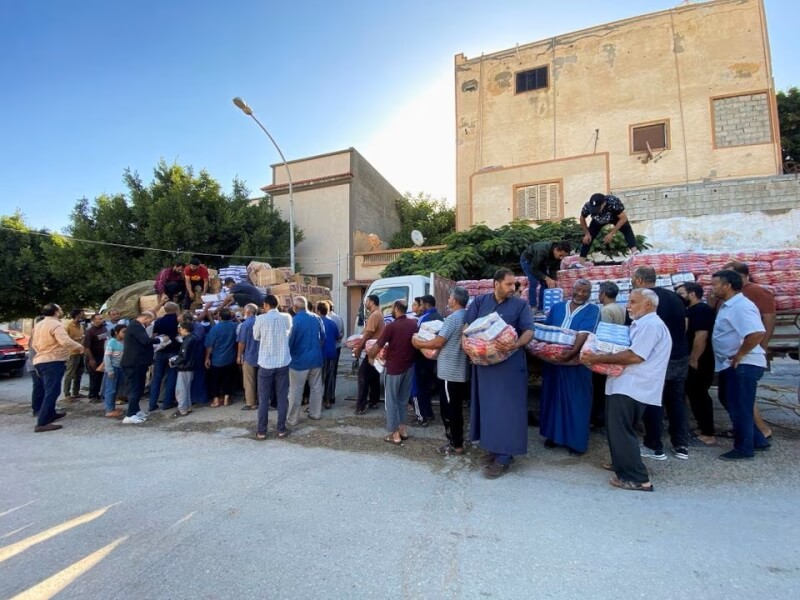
column 540, row 262
column 605, row 210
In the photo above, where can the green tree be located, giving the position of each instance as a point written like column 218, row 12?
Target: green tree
column 476, row 253
column 117, row 240
column 789, row 119
column 430, row 216
column 27, row 281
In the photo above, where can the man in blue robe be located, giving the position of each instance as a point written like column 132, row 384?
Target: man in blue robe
column 567, row 388
column 499, row 407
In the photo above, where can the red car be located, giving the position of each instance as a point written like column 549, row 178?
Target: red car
column 12, row 356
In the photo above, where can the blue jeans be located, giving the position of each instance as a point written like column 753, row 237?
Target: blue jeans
column 737, row 393
column 164, row 377
column 37, row 393
column 112, row 383
column 51, row 374
column 536, row 288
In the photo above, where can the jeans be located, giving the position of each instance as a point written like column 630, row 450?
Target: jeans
column 452, row 396
column 272, row 381
column 135, row 378
column 697, row 384
column 163, row 377
column 183, row 390
column 37, row 393
column 595, row 227
column 622, row 413
column 369, row 385
column 297, row 380
column 72, row 377
column 51, row 374
column 536, row 288
column 113, row 384
column 737, row 393
column 398, row 388
column 425, row 373
column 673, row 401
column 329, row 380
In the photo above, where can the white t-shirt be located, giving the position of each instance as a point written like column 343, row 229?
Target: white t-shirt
column 644, row 381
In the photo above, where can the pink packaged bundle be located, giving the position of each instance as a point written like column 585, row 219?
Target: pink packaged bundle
column 590, row 347
column 485, row 352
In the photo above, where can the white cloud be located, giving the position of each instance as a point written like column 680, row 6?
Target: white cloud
column 414, row 148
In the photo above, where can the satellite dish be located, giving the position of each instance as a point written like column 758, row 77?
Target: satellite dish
column 416, row 237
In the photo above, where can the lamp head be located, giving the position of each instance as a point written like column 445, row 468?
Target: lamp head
column 242, row 105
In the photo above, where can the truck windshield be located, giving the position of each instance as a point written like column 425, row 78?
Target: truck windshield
column 388, row 295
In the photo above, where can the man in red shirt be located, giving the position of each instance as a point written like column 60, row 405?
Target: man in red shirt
column 170, row 282
column 400, row 357
column 765, row 303
column 195, row 275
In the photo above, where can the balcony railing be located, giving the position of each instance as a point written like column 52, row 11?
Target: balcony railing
column 384, row 257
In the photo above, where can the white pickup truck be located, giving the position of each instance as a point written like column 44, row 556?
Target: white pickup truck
column 406, row 288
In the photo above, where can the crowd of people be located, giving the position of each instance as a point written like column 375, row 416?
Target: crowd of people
column 678, row 341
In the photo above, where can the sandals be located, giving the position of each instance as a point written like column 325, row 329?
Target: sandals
column 260, row 437
column 177, row 414
column 630, row 485
column 389, row 439
column 283, row 434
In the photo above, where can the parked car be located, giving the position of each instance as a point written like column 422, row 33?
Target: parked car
column 12, row 356
column 18, row 337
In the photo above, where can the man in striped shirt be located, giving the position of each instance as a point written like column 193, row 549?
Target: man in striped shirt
column 271, row 330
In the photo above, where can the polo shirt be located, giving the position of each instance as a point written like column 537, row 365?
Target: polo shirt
column 401, row 354
column 452, row 363
column 251, row 345
column 222, row 341
column 644, row 381
column 737, row 318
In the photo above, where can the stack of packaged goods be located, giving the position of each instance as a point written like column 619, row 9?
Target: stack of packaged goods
column 427, row 331
column 551, row 344
column 236, row 272
column 481, row 338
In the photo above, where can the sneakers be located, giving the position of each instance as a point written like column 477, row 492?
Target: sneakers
column 143, row 414
column 681, row 453
column 134, row 420
column 421, row 422
column 646, row 452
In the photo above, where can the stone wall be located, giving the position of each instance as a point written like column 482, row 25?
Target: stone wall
column 742, row 120
column 774, row 195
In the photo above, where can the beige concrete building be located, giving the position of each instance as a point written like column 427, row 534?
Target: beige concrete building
column 339, row 201
column 671, row 98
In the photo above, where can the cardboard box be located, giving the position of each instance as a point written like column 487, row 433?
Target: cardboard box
column 304, row 279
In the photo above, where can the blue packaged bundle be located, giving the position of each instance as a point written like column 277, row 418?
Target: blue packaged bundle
column 551, row 297
column 618, row 335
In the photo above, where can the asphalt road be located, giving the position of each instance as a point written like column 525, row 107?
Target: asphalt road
column 200, row 510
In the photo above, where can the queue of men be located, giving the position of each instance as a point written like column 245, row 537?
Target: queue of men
column 677, row 343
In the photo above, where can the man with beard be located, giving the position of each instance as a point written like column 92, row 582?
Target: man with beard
column 567, row 388
column 94, row 343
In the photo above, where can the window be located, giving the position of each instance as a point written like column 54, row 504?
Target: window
column 534, row 79
column 538, row 202
column 387, row 296
column 655, row 135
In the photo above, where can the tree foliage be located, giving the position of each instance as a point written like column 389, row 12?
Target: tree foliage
column 178, row 211
column 476, row 253
column 789, row 119
column 432, row 217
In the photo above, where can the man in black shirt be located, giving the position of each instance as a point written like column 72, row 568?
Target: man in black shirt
column 540, row 262
column 699, row 326
column 137, row 356
column 94, row 343
column 242, row 293
column 605, row 210
column 672, row 311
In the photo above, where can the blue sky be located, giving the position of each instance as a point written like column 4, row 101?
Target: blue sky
column 91, row 87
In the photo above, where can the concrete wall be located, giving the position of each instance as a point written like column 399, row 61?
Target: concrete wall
column 674, row 66
column 373, row 200
column 334, row 163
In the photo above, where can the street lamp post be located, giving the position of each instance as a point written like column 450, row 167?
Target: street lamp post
column 242, row 105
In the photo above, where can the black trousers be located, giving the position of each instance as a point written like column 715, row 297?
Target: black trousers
column 425, row 373
column 222, row 380
column 673, row 401
column 598, row 418
column 175, row 291
column 698, row 383
column 452, row 396
column 622, row 414
column 595, row 227
column 369, row 385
